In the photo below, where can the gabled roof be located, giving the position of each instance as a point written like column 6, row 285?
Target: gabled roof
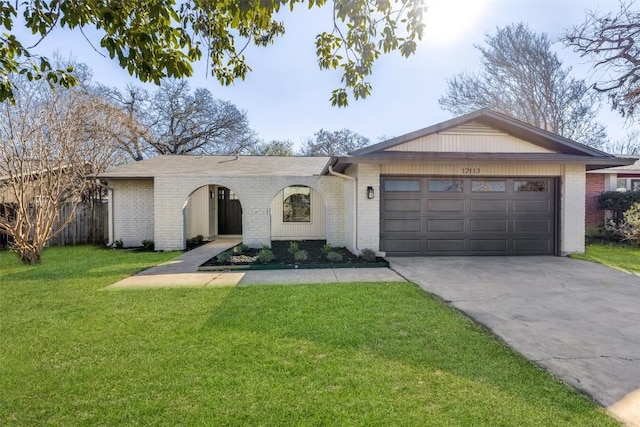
column 186, row 165
column 561, row 150
column 497, row 121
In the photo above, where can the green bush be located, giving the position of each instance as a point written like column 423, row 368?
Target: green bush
column 148, row 245
column 326, row 249
column 224, row 257
column 334, row 256
column 265, row 255
column 368, row 255
column 293, row 248
column 301, row 256
column 240, row 249
column 618, row 203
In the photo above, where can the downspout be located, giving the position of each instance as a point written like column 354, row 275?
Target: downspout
column 355, row 203
column 109, row 211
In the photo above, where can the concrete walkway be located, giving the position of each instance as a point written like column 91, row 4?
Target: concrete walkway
column 577, row 319
column 183, row 272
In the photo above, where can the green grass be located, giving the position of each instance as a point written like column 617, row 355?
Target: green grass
column 619, row 256
column 384, row 354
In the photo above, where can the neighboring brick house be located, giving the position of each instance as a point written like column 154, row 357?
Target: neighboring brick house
column 479, row 184
column 619, row 178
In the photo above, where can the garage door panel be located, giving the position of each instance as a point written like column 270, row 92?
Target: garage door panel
column 449, row 245
column 480, row 246
column 404, row 225
column 529, row 226
column 489, row 225
column 498, row 206
column 453, row 225
column 531, row 245
column 402, row 245
column 516, row 217
column 532, row 206
column 402, row 205
column 445, row 205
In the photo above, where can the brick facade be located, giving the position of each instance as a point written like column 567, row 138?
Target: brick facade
column 132, row 211
column 156, row 209
column 594, row 218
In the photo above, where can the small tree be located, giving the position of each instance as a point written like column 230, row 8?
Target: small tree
column 52, row 143
column 629, row 228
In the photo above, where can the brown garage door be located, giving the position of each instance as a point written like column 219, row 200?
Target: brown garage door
column 467, row 216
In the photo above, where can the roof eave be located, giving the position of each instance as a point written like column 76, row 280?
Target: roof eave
column 498, row 121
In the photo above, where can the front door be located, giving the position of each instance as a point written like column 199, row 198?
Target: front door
column 229, row 212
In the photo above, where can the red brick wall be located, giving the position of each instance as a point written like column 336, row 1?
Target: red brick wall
column 595, row 185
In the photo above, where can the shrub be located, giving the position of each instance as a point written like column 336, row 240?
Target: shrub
column 334, row 256
column 265, row 255
column 293, row 248
column 629, row 227
column 368, row 255
column 240, row 249
column 326, row 249
column 224, row 257
column 618, row 202
column 301, row 256
column 148, row 245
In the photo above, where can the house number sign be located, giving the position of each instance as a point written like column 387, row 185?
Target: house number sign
column 471, row 171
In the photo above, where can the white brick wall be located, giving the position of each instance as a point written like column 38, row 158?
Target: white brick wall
column 572, row 210
column 368, row 225
column 255, row 195
column 132, row 211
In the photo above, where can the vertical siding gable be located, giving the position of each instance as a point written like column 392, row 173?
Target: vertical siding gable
column 470, row 137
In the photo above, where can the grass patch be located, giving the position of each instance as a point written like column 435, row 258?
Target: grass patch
column 348, row 354
column 624, row 257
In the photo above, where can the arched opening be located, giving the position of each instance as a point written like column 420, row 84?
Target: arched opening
column 298, row 212
column 212, row 210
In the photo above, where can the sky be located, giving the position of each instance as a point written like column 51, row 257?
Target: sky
column 286, row 96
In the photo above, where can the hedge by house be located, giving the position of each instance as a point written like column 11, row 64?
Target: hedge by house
column 618, row 203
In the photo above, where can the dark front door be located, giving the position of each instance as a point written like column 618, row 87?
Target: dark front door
column 468, row 216
column 229, row 212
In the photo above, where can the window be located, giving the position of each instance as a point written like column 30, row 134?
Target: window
column 621, row 185
column 488, row 186
column 401, row 185
column 448, row 186
column 627, row 184
column 296, row 206
column 531, row 186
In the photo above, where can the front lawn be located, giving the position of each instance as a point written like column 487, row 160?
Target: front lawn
column 624, row 257
column 339, row 354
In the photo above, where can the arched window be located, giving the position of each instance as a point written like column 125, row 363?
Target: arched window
column 296, row 206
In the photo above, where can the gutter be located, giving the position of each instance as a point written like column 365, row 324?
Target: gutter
column 355, row 203
column 109, row 211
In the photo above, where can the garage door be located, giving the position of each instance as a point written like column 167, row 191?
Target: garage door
column 467, row 216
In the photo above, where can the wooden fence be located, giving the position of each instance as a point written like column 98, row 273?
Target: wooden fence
column 90, row 225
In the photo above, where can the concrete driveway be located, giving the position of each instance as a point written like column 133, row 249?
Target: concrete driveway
column 579, row 320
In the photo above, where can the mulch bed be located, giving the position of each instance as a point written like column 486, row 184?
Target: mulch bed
column 283, row 259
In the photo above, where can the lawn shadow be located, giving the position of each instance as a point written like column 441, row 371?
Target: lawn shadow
column 395, row 321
